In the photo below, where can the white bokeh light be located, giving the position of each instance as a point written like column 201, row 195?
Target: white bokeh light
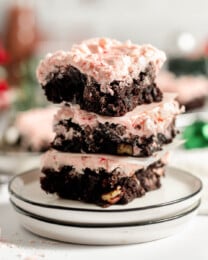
column 186, row 42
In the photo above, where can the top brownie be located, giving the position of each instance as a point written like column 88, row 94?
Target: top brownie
column 103, row 76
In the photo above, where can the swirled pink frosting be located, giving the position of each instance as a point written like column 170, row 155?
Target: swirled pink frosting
column 103, row 59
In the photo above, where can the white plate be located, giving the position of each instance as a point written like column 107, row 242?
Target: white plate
column 179, row 191
column 111, row 235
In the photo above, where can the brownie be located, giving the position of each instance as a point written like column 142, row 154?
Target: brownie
column 103, row 75
column 73, row 86
column 101, row 187
column 195, row 103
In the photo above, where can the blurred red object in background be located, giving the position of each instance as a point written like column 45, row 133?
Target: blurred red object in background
column 4, row 56
column 5, row 93
column 5, row 97
column 3, row 86
column 21, row 38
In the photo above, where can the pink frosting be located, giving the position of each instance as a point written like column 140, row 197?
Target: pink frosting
column 103, row 59
column 56, row 160
column 152, row 118
column 187, row 87
column 35, row 126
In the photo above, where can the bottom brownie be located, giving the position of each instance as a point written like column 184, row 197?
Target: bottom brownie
column 101, row 187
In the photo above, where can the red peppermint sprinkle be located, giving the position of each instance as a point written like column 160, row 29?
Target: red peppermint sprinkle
column 102, row 159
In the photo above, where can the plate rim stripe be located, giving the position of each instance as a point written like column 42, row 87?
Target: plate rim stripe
column 119, row 225
column 102, row 210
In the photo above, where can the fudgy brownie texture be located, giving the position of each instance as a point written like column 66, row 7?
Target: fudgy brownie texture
column 110, row 139
column 102, row 188
column 73, row 86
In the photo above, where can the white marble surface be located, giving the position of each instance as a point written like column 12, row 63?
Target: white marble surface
column 17, row 243
column 196, row 162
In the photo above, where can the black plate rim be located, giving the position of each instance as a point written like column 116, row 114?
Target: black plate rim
column 103, row 226
column 13, row 193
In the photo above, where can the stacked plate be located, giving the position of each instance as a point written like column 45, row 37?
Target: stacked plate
column 158, row 214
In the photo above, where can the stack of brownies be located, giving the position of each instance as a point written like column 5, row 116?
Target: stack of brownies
column 112, row 113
